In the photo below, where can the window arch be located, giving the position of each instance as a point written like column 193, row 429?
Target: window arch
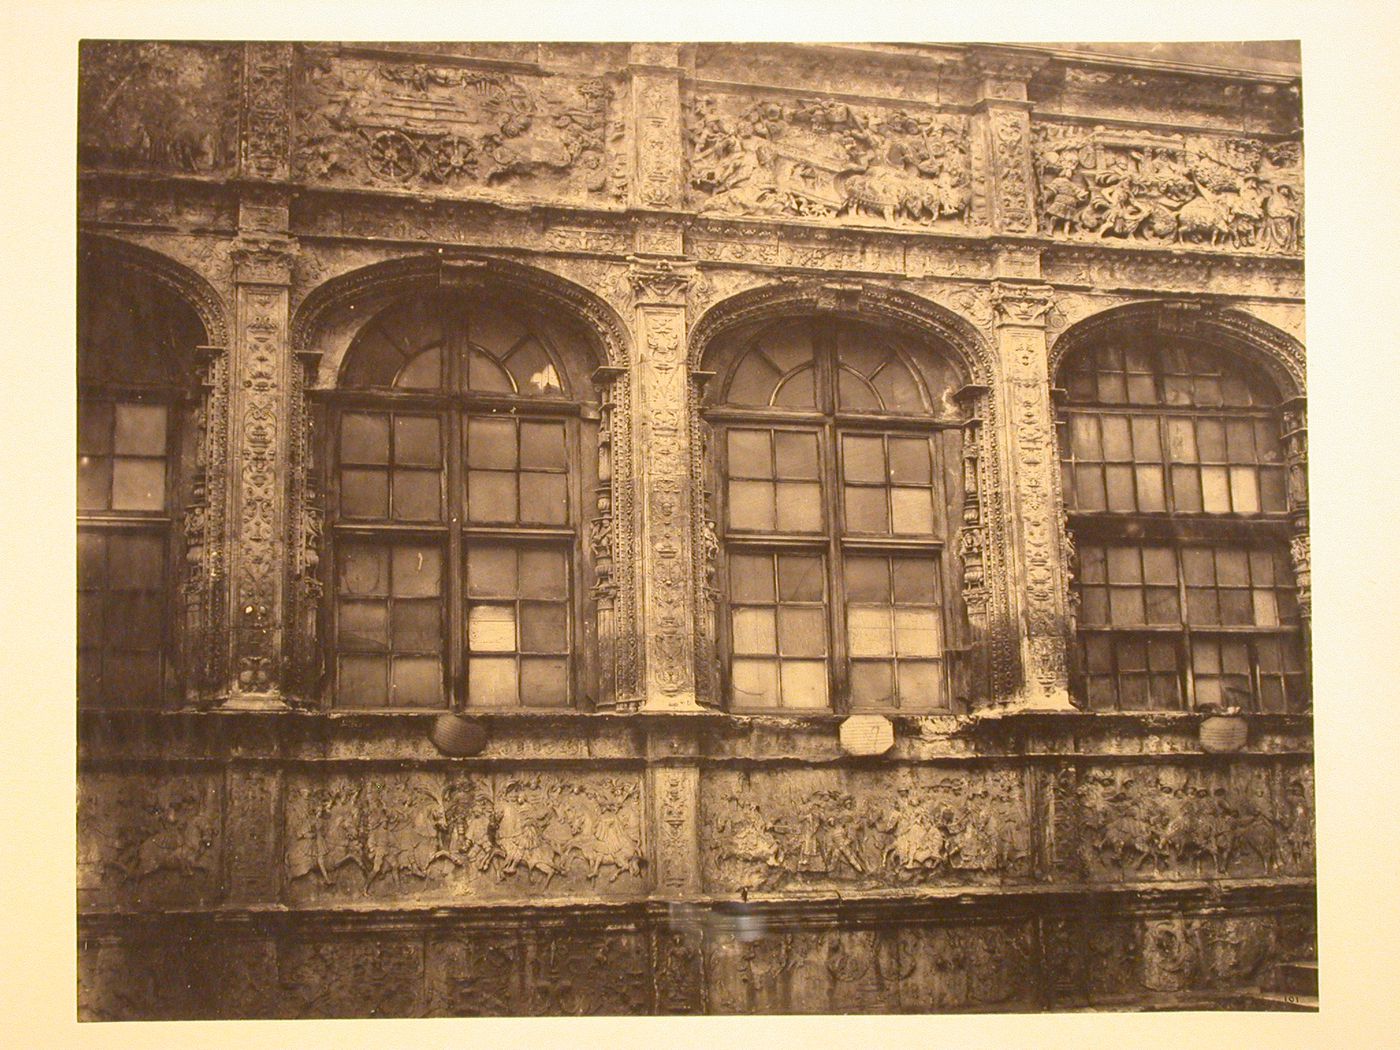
column 1175, row 484
column 137, row 438
column 459, row 454
column 838, row 449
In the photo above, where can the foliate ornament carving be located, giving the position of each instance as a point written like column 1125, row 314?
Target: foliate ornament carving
column 261, row 258
column 477, row 974
column 659, row 280
column 658, row 140
column 379, row 976
column 1172, row 189
column 204, row 583
column 1014, row 204
column 1300, row 551
column 674, row 790
column 452, row 128
column 822, row 158
column 1020, row 304
column 267, row 109
column 579, row 972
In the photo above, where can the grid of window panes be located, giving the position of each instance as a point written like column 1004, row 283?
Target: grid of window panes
column 778, row 630
column 121, row 621
column 465, row 470
column 814, row 502
column 1160, row 622
column 122, row 452
column 1146, row 446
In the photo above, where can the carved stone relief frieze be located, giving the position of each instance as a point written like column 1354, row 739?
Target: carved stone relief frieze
column 453, row 129
column 158, row 105
column 375, row 976
column 267, row 106
column 1013, row 200
column 925, row 826
column 1104, row 185
column 822, row 159
column 472, row 836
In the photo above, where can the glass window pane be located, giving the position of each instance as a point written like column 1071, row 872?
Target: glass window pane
column 364, row 438
column 1159, row 565
column 417, row 495
column 1151, row 493
column 362, row 681
column 1120, row 488
column 911, row 461
column 754, row 631
column 797, row 391
column 1273, row 496
column 867, row 580
column 544, row 498
column 417, row 572
column 534, row 372
column 491, row 496
column 1163, row 605
column 799, row 506
column 918, row 632
column 1142, row 390
column 912, row 510
column 751, row 577
column 542, row 446
column 751, row 505
column 544, row 681
column 1244, row 490
column 865, row 510
column 1186, row 490
column 801, row 632
column 491, row 572
column 417, row 627
column 1239, row 439
column 135, row 562
column 364, row 493
column 800, row 578
column 491, row 682
column 898, row 389
column 920, row 684
column 1181, row 441
column 140, row 430
column 491, row 443
column 1199, row 565
column 804, row 683
column 1215, row 490
column 1147, row 445
column 1265, row 608
column 1261, row 567
column 863, row 459
column 750, row 454
column 491, row 628
column 1124, row 565
column 423, row 372
column 1084, row 438
column 915, row 581
column 754, row 683
column 1125, row 605
column 1236, row 608
column 138, row 484
column 416, row 441
column 544, row 574
column 1210, row 439
column 1202, row 607
column 94, row 482
column 872, row 683
column 1089, row 488
column 417, row 681
column 364, row 570
column 486, row 376
column 1267, row 441
column 796, row 455
column 870, row 631
column 362, row 625
column 1111, row 387
column 95, row 427
column 1116, row 443
column 753, row 381
column 1232, row 568
column 1093, row 605
column 1092, row 564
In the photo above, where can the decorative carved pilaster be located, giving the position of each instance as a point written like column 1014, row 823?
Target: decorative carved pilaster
column 1295, row 447
column 972, row 533
column 203, row 588
column 603, row 537
column 657, row 116
column 305, row 525
column 1004, row 113
column 1035, row 507
column 665, row 484
column 261, row 423
column 674, row 792
column 267, row 103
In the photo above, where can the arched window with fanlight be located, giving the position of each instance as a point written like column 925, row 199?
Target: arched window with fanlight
column 136, row 451
column 459, row 459
column 838, row 448
column 1174, row 481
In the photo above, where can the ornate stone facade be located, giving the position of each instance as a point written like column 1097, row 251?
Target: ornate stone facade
column 647, row 850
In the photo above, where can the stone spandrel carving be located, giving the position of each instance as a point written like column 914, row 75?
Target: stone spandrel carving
column 452, row 129
column 147, row 839
column 1211, row 191
column 152, row 105
column 362, row 977
column 822, row 159
column 421, row 835
column 812, row 828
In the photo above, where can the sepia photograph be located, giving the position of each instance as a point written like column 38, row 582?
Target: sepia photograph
column 693, row 528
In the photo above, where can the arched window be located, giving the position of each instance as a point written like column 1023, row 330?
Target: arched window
column 839, row 452
column 459, row 460
column 1174, row 480
column 136, row 449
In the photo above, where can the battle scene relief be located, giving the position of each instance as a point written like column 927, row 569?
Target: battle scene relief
column 406, row 835
column 765, row 831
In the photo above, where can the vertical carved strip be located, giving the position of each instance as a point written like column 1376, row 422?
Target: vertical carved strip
column 1010, row 150
column 626, row 602
column 601, row 538
column 1033, row 489
column 267, row 80
column 304, row 529
column 203, row 586
column 674, row 791
column 657, row 114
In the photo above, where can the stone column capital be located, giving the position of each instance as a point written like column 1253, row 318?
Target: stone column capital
column 263, row 258
column 1021, row 304
column 660, row 280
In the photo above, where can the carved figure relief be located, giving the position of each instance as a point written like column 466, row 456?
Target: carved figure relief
column 769, row 832
column 1235, row 193
column 476, row 835
column 451, row 128
column 819, row 158
column 168, row 106
column 148, row 837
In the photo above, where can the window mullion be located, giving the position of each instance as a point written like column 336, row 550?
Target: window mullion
column 454, row 589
